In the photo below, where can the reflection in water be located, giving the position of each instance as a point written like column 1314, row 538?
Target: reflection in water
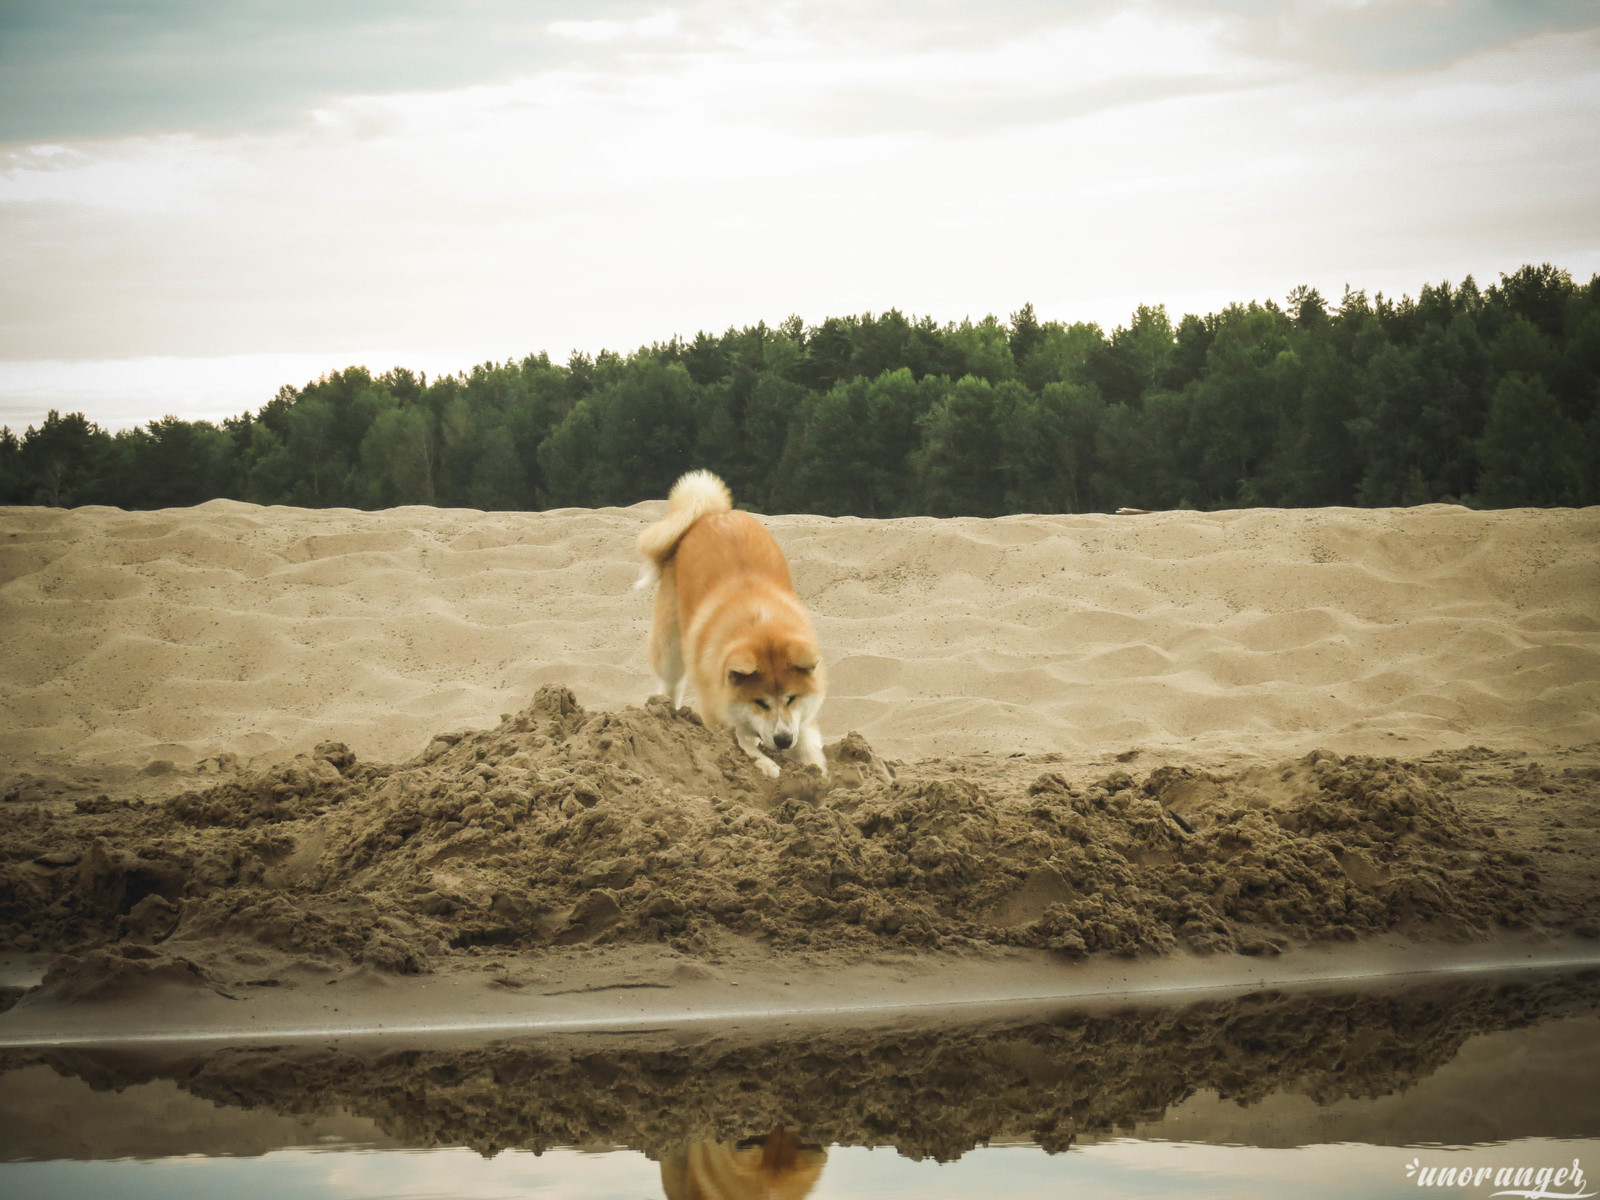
column 775, row 1167
column 1291, row 1068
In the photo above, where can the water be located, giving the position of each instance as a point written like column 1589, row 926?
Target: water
column 1115, row 1170
column 1287, row 1093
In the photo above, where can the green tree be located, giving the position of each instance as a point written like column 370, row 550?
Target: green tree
column 13, row 479
column 1523, row 348
column 1373, row 401
column 1192, row 342
column 570, row 460
column 628, row 441
column 1137, row 454
column 1060, row 354
column 1529, row 449
column 856, row 445
column 985, row 349
column 399, row 457
column 1026, row 333
column 826, row 354
column 1048, row 446
column 60, row 458
column 316, row 445
column 774, row 419
column 171, row 463
column 1238, row 408
column 1136, row 358
column 1390, row 399
column 497, row 480
column 961, row 466
column 1539, row 295
column 1420, row 410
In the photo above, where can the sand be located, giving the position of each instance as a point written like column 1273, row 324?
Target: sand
column 1386, row 1065
column 250, row 748
column 135, row 639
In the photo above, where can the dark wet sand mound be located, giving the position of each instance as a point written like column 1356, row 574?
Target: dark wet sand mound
column 562, row 827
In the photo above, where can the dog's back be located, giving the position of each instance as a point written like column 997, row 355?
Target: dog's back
column 727, row 618
column 724, row 551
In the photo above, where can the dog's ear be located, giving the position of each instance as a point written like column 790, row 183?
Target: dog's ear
column 740, row 667
column 803, row 657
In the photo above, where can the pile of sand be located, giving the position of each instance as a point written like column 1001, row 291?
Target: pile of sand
column 562, row 827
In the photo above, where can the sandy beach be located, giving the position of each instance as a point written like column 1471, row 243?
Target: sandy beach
column 246, row 749
column 178, row 635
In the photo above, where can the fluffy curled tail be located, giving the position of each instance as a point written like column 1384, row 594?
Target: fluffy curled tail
column 692, row 497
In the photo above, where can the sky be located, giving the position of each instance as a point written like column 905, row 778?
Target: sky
column 1121, row 1169
column 204, row 200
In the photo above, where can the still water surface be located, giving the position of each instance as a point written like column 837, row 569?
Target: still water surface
column 1125, row 1168
column 1277, row 1094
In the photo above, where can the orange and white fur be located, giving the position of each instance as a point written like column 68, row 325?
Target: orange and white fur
column 776, row 1167
column 727, row 620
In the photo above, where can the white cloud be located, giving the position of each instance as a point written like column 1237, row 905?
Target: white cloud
column 168, row 174
column 659, row 25
column 722, row 165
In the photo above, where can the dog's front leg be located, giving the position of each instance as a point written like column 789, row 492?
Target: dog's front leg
column 808, row 748
column 751, row 746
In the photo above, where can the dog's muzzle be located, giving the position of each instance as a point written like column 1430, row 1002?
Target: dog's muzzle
column 782, row 741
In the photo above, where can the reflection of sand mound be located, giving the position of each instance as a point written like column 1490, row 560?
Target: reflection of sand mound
column 562, row 826
column 182, row 634
column 930, row 1092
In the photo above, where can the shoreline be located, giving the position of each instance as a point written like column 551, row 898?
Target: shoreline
column 629, row 994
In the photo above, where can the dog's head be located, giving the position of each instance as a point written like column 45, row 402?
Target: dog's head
column 776, row 686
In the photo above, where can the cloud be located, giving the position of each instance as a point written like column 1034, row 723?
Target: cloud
column 72, row 69
column 624, row 172
column 1053, row 75
column 1392, row 36
column 76, row 69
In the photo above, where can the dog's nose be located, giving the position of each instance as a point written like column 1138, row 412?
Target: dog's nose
column 782, row 741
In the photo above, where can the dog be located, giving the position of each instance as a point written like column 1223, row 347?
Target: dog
column 727, row 619
column 776, row 1167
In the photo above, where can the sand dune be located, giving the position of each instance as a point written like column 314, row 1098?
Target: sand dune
column 141, row 638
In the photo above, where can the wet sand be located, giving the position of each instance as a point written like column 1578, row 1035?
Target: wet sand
column 1443, row 1059
column 622, row 990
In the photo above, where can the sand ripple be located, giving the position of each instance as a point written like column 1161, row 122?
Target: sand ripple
column 181, row 634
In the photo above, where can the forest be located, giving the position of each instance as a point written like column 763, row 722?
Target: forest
column 1488, row 397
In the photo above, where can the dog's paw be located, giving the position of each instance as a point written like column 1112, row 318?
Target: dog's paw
column 768, row 768
column 817, row 761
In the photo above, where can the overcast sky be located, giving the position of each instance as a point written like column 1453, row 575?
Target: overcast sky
column 201, row 200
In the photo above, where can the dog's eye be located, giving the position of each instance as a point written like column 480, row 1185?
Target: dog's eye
column 788, row 699
column 763, row 705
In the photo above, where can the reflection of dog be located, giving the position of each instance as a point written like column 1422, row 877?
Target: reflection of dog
column 727, row 619
column 776, row 1167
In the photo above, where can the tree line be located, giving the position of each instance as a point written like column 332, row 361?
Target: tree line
column 1483, row 396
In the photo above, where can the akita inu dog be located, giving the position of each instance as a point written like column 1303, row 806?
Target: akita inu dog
column 776, row 1167
column 728, row 620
